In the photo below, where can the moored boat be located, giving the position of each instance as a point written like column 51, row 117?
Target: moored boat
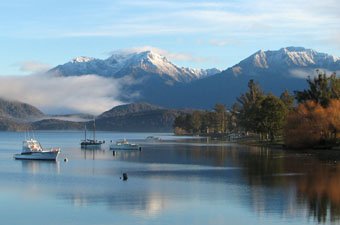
column 32, row 150
column 91, row 143
column 152, row 139
column 124, row 145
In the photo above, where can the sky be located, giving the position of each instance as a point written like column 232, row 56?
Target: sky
column 39, row 34
column 36, row 35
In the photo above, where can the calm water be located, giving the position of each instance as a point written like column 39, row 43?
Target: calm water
column 177, row 181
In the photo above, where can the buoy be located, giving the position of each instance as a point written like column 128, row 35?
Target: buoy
column 66, row 159
column 125, row 176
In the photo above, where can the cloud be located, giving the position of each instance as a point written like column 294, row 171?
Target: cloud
column 172, row 56
column 223, row 42
column 302, row 73
column 54, row 95
column 305, row 73
column 334, row 39
column 33, row 66
column 245, row 20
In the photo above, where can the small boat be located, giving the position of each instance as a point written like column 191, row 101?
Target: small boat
column 124, row 145
column 32, row 150
column 152, row 139
column 91, row 143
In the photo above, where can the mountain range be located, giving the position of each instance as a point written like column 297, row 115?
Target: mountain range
column 167, row 87
column 160, row 82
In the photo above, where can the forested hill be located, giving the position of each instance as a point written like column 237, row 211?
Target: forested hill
column 137, row 117
column 18, row 110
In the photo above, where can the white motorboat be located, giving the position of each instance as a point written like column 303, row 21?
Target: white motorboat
column 32, row 150
column 124, row 145
column 152, row 139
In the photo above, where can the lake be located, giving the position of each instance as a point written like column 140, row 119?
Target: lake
column 179, row 180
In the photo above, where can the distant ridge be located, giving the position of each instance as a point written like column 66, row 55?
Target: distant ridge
column 135, row 117
column 18, row 111
column 138, row 117
column 123, row 110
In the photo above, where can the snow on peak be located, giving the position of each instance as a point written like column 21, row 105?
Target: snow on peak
column 289, row 56
column 260, row 59
column 82, row 59
column 135, row 64
column 294, row 49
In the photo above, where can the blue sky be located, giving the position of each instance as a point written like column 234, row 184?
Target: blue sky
column 39, row 34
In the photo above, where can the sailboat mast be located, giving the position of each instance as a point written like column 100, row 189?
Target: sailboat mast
column 85, row 132
column 94, row 129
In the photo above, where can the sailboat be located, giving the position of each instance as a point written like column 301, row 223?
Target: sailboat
column 91, row 143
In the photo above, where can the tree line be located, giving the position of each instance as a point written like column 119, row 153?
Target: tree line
column 307, row 118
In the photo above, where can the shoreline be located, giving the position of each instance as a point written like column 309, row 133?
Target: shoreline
column 255, row 142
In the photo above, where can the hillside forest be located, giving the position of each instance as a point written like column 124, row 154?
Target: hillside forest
column 305, row 119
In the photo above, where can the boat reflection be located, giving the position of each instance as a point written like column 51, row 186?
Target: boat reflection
column 36, row 167
column 147, row 204
column 92, row 153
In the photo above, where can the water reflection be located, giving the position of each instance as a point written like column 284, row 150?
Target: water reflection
column 35, row 167
column 125, row 155
column 92, row 153
column 312, row 179
column 284, row 182
column 272, row 185
column 320, row 191
column 146, row 204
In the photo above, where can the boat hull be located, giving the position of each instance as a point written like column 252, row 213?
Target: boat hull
column 129, row 148
column 49, row 156
column 90, row 146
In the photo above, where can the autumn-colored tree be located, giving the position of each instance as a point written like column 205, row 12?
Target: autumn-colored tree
column 312, row 125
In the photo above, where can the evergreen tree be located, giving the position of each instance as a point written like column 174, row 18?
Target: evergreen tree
column 232, row 122
column 221, row 118
column 196, row 121
column 322, row 89
column 272, row 114
column 250, row 105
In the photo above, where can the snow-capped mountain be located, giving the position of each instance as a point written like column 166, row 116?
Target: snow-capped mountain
column 275, row 71
column 286, row 59
column 138, row 65
column 163, row 83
